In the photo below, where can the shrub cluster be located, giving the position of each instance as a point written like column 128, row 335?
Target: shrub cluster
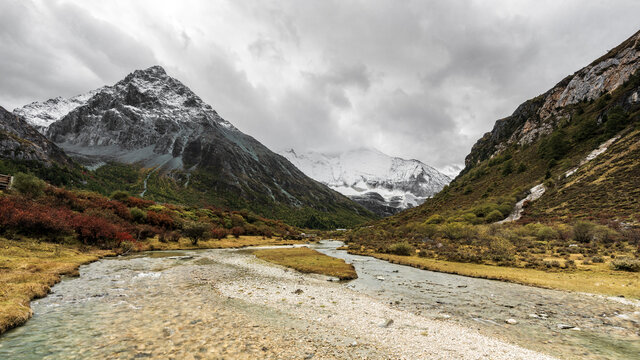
column 37, row 209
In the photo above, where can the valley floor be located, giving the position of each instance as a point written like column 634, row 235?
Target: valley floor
column 594, row 279
column 228, row 304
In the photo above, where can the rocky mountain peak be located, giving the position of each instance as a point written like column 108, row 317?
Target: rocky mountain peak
column 541, row 115
column 152, row 120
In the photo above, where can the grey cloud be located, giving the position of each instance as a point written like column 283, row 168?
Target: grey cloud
column 417, row 79
column 56, row 49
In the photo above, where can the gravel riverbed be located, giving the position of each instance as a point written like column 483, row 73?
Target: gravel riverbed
column 359, row 324
column 226, row 304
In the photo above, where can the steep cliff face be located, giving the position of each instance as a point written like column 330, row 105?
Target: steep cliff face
column 153, row 120
column 541, row 115
column 379, row 182
column 19, row 141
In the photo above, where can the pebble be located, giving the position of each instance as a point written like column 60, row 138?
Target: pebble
column 387, row 323
column 511, row 321
column 564, row 326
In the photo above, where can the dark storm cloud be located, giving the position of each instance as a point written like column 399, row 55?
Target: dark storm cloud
column 417, row 79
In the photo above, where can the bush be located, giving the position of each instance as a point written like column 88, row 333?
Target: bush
column 162, row 220
column 501, row 250
column 237, row 220
column 583, row 231
column 34, row 219
column 173, row 236
column 604, row 234
column 555, row 147
column 119, row 195
column 237, row 231
column 196, row 231
column 146, row 232
column 546, row 233
column 470, row 218
column 435, row 219
column 626, row 264
column 95, row 231
column 403, row 249
column 494, row 216
column 28, row 185
column 219, row 233
column 507, row 168
column 138, row 215
column 457, row 231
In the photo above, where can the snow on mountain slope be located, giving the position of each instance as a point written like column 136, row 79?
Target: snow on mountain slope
column 399, row 183
column 42, row 114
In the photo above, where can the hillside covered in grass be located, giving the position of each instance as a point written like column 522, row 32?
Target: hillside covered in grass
column 579, row 144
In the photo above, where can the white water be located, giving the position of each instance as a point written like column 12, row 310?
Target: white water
column 534, row 194
column 594, row 154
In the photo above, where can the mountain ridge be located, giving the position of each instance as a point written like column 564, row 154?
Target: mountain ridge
column 154, row 121
column 381, row 183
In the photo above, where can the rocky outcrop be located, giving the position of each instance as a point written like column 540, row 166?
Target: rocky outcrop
column 540, row 116
column 19, row 141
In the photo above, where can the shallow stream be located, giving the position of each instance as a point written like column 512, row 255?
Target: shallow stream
column 157, row 304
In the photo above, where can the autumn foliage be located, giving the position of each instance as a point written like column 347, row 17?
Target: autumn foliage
column 94, row 219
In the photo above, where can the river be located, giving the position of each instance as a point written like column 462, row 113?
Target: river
column 207, row 304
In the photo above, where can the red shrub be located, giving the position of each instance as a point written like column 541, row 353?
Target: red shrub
column 145, row 232
column 237, row 231
column 124, row 237
column 30, row 218
column 219, row 233
column 139, row 203
column 162, row 220
column 95, row 231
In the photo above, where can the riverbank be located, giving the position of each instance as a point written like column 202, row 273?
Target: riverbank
column 594, row 279
column 30, row 267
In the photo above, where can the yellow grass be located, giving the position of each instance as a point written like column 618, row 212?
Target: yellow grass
column 229, row 242
column 595, row 279
column 28, row 269
column 307, row 260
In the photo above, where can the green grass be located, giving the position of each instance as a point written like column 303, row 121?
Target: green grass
column 307, row 260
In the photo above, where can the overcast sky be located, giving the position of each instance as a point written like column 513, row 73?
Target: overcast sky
column 415, row 79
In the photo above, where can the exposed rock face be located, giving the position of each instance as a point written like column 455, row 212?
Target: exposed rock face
column 153, row 119
column 383, row 184
column 20, row 141
column 539, row 116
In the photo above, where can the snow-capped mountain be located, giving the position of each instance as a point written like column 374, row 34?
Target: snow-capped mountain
column 20, row 141
column 148, row 117
column 379, row 182
column 152, row 119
